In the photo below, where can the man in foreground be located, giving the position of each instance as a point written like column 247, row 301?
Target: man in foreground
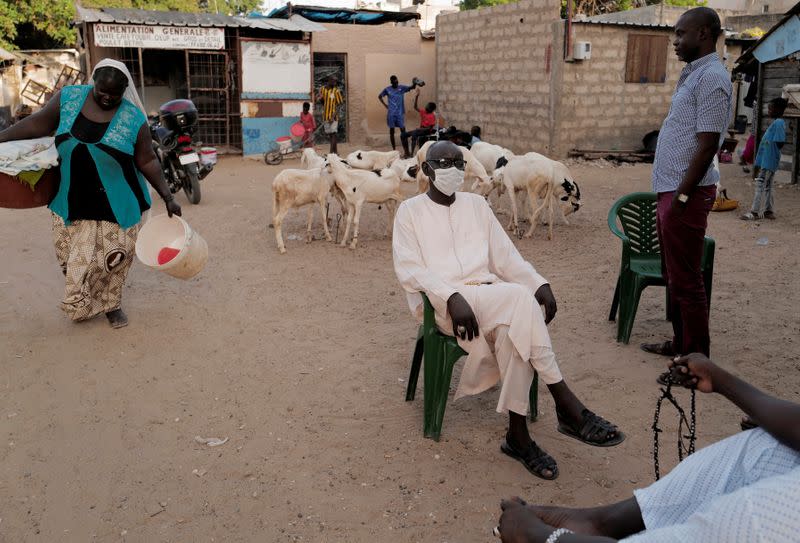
column 450, row 246
column 743, row 488
column 685, row 178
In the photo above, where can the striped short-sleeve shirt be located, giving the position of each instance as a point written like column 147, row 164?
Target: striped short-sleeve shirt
column 701, row 103
column 331, row 99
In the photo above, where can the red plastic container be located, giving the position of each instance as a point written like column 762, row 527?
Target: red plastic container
column 15, row 194
column 298, row 130
column 166, row 254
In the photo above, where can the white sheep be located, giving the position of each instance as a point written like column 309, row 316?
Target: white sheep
column 310, row 159
column 294, row 188
column 404, row 168
column 541, row 178
column 372, row 160
column 488, row 154
column 496, row 184
column 361, row 187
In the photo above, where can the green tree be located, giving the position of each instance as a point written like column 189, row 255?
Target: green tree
column 190, row 6
column 9, row 17
column 48, row 19
column 682, row 3
column 590, row 7
column 475, row 4
column 224, row 7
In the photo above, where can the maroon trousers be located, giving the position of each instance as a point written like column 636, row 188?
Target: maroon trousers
column 681, row 238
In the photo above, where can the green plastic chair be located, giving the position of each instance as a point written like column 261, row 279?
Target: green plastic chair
column 441, row 352
column 641, row 258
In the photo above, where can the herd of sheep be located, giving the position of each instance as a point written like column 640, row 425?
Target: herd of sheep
column 376, row 177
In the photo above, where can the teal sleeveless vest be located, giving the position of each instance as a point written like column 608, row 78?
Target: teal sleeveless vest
column 121, row 135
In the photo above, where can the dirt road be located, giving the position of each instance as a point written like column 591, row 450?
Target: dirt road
column 301, row 361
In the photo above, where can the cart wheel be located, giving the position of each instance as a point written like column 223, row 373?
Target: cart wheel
column 273, row 158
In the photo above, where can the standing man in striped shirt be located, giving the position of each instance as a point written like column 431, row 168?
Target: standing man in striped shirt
column 685, row 178
column 331, row 98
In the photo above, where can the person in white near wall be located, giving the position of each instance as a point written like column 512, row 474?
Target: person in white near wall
column 450, row 246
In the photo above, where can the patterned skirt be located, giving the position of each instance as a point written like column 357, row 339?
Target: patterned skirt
column 95, row 257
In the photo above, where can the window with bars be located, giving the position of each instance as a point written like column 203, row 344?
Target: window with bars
column 647, row 58
column 130, row 57
column 208, row 89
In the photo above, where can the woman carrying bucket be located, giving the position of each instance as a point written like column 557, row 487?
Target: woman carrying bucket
column 106, row 152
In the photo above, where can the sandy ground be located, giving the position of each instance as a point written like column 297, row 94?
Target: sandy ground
column 302, row 361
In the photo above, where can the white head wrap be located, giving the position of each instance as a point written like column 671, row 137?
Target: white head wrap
column 130, row 91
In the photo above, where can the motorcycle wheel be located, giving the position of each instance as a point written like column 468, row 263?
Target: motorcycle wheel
column 191, row 184
column 273, row 158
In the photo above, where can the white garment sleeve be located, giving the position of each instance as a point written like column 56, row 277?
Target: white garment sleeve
column 409, row 265
column 504, row 258
column 763, row 512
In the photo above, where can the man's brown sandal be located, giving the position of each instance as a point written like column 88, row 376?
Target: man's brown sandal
column 663, row 349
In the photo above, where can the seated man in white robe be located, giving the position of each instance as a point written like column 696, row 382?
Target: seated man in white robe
column 450, row 246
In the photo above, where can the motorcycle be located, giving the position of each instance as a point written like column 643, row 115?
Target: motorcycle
column 176, row 150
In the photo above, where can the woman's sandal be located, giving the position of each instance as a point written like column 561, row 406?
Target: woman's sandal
column 117, row 318
column 534, row 459
column 594, row 430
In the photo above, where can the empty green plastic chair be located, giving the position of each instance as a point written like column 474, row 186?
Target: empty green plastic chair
column 441, row 352
column 641, row 257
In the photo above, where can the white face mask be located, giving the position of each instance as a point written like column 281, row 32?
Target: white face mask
column 448, row 180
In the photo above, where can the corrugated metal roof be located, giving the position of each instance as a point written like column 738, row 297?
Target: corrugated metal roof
column 622, row 23
column 293, row 23
column 148, row 17
column 179, row 18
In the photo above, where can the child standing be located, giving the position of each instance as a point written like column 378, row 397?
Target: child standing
column 307, row 119
column 767, row 160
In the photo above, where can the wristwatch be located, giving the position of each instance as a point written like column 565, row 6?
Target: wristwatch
column 683, row 198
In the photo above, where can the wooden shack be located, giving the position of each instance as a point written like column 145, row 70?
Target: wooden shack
column 775, row 60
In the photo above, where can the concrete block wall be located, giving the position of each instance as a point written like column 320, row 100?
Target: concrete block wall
column 503, row 69
column 597, row 109
column 494, row 69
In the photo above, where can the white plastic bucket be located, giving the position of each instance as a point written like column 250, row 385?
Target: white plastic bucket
column 284, row 143
column 208, row 155
column 163, row 231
